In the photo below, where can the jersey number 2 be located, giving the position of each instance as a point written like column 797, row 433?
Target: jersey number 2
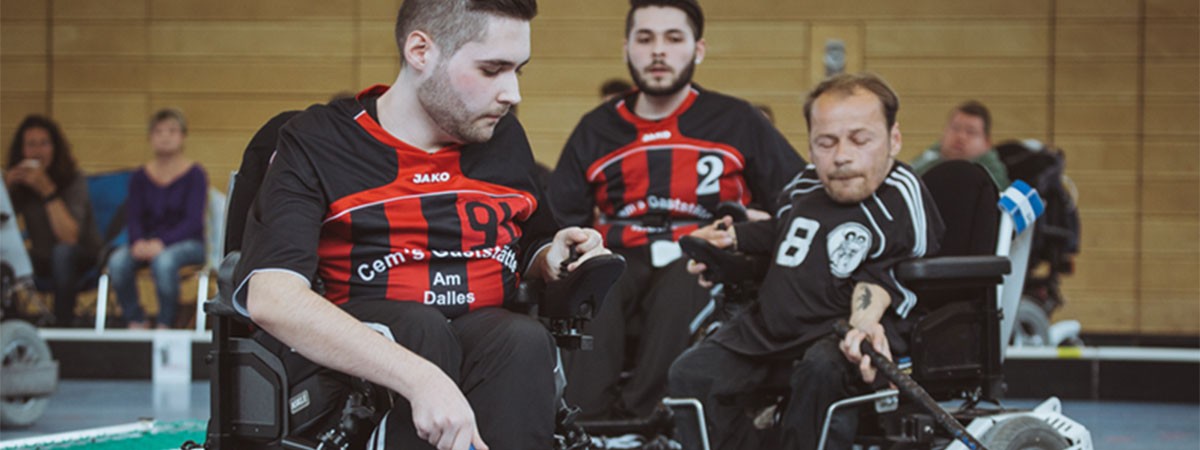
column 709, row 168
column 796, row 243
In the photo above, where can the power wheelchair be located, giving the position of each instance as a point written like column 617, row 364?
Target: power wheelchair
column 957, row 345
column 260, row 400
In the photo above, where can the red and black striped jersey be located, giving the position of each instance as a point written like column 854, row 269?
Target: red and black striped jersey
column 371, row 217
column 713, row 148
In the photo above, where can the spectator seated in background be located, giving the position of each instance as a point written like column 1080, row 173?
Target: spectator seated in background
column 846, row 221
column 967, row 136
column 50, row 193
column 165, row 216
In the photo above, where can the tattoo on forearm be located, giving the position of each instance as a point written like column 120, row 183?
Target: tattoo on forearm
column 864, row 300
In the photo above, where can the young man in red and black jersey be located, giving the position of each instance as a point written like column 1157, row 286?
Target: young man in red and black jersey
column 645, row 169
column 414, row 208
column 844, row 223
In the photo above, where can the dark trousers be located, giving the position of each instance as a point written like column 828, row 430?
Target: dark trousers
column 724, row 381
column 64, row 271
column 504, row 362
column 656, row 305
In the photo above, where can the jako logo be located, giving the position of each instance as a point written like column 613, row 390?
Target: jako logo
column 658, row 135
column 422, row 178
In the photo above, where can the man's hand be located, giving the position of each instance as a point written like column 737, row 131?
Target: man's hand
column 586, row 242
column 441, row 414
column 719, row 234
column 850, row 348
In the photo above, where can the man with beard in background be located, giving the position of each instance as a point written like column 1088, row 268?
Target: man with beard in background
column 645, row 169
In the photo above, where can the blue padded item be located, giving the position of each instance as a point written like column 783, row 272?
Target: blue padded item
column 1023, row 204
column 108, row 192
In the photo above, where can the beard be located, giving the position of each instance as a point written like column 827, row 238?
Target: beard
column 449, row 112
column 681, row 81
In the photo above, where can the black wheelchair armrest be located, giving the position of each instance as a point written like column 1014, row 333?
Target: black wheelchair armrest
column 222, row 304
column 951, row 272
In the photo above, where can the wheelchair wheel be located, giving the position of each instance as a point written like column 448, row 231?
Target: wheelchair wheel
column 1032, row 325
column 21, row 346
column 1023, row 433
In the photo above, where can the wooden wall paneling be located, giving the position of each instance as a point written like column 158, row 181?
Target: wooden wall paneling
column 1107, row 193
column 380, row 10
column 1171, row 155
column 258, row 39
column 19, row 10
column 200, row 10
column 769, row 76
column 1101, row 79
column 319, row 77
column 86, row 39
column 962, row 79
column 101, row 150
column 1170, row 313
column 1095, row 116
column 1172, row 9
column 1096, row 270
column 22, row 74
column 93, row 10
column 1177, row 38
column 1171, row 194
column 1100, row 311
column 1176, row 115
column 877, row 9
column 79, row 75
column 760, row 39
column 23, row 38
column 577, row 77
column 1088, row 153
column 1172, row 76
column 1170, row 272
column 377, row 39
column 1075, row 9
column 580, row 39
column 1107, row 232
column 1171, row 234
column 1096, row 38
column 590, row 9
column 957, row 39
column 124, row 112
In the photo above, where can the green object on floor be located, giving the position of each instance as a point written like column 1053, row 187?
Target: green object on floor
column 142, row 436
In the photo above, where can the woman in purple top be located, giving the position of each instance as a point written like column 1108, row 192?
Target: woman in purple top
column 165, row 216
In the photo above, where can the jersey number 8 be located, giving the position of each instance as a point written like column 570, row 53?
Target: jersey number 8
column 795, row 245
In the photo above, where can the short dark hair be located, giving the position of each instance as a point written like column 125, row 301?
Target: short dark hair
column 453, row 23
column 62, row 171
column 615, row 86
column 695, row 15
column 846, row 83
column 166, row 114
column 977, row 109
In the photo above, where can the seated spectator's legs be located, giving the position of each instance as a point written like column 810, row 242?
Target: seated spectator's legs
column 714, row 375
column 592, row 375
column 670, row 304
column 503, row 361
column 822, row 377
column 122, row 270
column 65, row 269
column 165, row 268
